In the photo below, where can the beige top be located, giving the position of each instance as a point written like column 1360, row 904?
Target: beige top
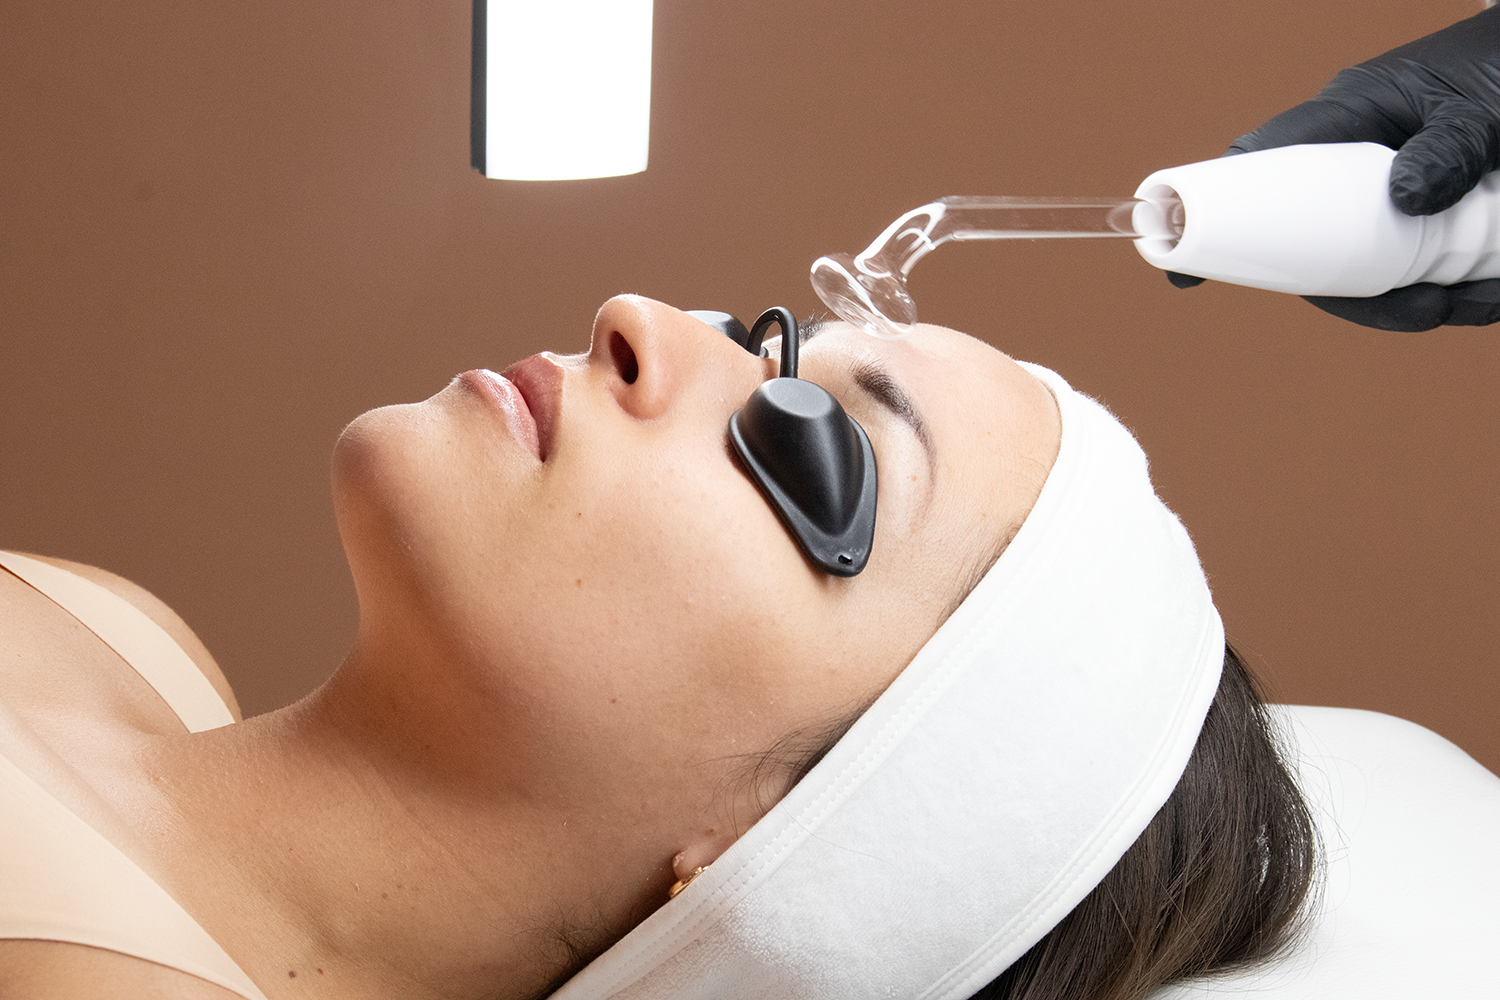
column 60, row 879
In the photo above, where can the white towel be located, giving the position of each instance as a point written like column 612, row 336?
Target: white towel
column 989, row 789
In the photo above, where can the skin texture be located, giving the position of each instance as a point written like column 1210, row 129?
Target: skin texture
column 563, row 666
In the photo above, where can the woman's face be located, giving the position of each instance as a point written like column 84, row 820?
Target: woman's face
column 578, row 551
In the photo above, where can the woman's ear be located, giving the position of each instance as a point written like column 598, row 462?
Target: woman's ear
column 702, row 851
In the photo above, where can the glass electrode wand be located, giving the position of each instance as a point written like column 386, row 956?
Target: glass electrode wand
column 869, row 290
column 1305, row 220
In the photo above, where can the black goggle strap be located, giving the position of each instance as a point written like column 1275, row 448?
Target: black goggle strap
column 732, row 328
column 782, row 316
column 752, row 339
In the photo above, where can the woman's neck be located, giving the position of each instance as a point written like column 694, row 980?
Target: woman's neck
column 386, row 866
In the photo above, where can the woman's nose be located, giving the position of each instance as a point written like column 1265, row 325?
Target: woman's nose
column 650, row 353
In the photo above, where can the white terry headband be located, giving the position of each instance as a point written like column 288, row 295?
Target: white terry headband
column 989, row 789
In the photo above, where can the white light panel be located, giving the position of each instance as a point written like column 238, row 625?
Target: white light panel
column 567, row 88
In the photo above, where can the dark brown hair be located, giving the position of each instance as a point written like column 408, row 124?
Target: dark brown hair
column 1218, row 880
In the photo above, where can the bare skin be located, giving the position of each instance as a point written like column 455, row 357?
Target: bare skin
column 560, row 668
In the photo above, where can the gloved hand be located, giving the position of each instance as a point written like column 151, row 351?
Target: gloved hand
column 1437, row 101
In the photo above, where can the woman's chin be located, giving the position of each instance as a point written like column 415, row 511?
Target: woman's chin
column 389, row 484
column 369, row 458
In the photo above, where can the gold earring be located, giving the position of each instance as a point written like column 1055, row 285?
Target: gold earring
column 682, row 884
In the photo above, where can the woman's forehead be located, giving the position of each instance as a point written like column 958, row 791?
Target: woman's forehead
column 928, row 345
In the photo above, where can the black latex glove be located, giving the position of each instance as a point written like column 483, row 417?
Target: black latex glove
column 1437, row 101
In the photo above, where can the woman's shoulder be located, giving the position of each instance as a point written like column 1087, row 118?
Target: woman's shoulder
column 138, row 597
column 61, row 971
column 69, row 702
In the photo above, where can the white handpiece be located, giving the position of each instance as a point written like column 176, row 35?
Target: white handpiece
column 1312, row 220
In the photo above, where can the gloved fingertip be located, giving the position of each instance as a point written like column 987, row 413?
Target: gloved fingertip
column 1412, row 309
column 1426, row 188
column 1180, row 280
column 1435, row 168
column 1475, row 303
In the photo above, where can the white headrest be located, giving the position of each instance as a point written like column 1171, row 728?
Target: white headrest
column 1411, row 907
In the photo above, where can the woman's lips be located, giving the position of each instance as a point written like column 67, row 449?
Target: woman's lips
column 504, row 396
column 528, row 395
column 539, row 381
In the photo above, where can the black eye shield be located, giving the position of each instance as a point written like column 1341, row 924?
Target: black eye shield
column 811, row 460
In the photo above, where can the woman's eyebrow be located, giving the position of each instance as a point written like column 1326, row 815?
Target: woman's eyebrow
column 878, row 384
column 810, row 328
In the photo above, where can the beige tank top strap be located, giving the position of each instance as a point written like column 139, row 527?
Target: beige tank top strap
column 60, row 880
column 127, row 630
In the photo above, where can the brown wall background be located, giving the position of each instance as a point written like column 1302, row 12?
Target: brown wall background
column 228, row 228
